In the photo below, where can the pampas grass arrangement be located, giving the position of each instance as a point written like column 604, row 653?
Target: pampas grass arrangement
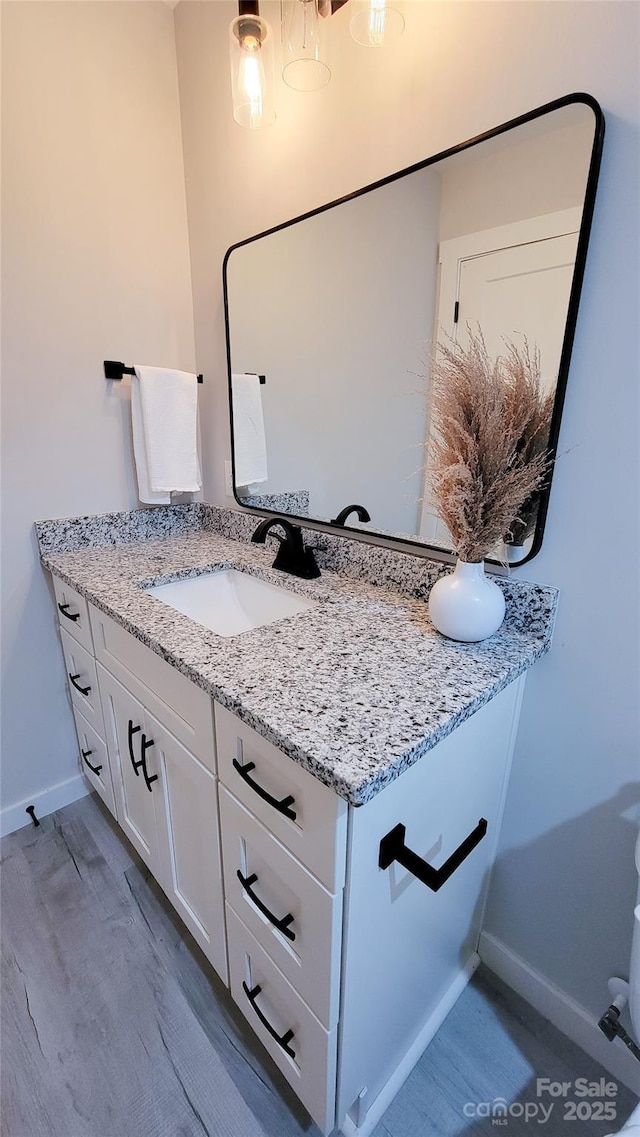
column 488, row 454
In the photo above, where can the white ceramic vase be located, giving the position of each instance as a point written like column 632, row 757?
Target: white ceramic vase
column 515, row 553
column 466, row 605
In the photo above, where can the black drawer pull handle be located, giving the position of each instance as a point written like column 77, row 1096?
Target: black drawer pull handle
column 282, row 1041
column 82, row 690
column 283, row 924
column 85, row 758
column 393, row 848
column 281, row 806
column 70, row 615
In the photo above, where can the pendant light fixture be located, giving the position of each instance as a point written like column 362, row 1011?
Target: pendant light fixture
column 375, row 24
column 304, row 66
column 304, row 29
column 252, row 69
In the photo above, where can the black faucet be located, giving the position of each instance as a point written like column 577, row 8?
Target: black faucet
column 363, row 514
column 292, row 556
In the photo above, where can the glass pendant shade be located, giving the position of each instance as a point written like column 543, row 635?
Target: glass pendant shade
column 252, row 70
column 375, row 24
column 303, row 50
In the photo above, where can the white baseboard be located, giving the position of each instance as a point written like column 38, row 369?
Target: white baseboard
column 47, row 801
column 561, row 1010
column 415, row 1052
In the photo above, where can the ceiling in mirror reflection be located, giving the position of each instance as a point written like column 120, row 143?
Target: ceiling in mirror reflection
column 340, row 311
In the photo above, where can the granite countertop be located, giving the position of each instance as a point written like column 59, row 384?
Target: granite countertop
column 355, row 689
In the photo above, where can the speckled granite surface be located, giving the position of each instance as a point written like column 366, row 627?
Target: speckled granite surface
column 355, row 689
column 99, row 529
column 293, row 501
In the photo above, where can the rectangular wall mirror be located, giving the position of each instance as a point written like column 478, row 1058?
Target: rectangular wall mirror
column 332, row 318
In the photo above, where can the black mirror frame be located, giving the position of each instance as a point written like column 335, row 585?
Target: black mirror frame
column 406, row 544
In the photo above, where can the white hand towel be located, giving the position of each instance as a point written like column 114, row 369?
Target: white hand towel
column 164, row 415
column 249, row 443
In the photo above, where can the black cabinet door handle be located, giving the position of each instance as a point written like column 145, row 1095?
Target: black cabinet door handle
column 131, row 730
column 85, row 758
column 283, row 924
column 82, row 690
column 282, row 1040
column 141, row 762
column 281, row 806
column 146, row 743
column 393, row 848
column 70, row 615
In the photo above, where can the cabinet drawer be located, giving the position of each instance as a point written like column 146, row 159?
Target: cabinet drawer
column 276, row 1012
column 303, row 813
column 73, row 613
column 94, row 760
column 83, row 681
column 276, row 887
column 185, row 710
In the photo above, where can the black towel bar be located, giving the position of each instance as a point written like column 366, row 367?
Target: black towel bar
column 115, row 370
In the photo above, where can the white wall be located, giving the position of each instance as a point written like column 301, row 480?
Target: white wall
column 544, row 172
column 95, row 266
column 563, row 891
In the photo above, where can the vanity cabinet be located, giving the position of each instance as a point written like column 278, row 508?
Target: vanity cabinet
column 343, row 961
column 377, row 954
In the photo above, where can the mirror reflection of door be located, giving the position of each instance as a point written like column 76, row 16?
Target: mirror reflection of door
column 512, row 281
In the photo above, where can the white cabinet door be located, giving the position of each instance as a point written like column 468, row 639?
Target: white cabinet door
column 190, row 844
column 135, row 767
column 167, row 805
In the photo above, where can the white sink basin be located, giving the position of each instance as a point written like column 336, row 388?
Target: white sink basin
column 229, row 602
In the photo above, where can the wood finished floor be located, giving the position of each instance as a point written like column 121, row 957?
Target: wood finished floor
column 115, row 1025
